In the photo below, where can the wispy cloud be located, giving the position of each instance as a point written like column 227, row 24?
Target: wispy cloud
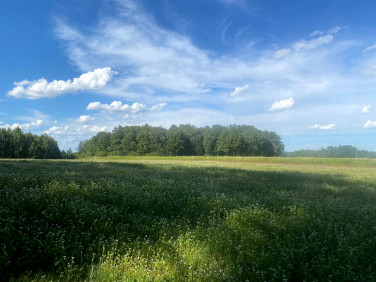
column 317, row 32
column 41, row 88
column 243, row 5
column 157, row 65
column 323, row 127
column 162, row 65
column 239, row 90
column 282, row 105
column 282, row 53
column 314, row 43
column 370, row 48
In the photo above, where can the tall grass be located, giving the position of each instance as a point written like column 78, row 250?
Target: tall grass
column 186, row 219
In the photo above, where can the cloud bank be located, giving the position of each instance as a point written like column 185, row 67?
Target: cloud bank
column 23, row 126
column 118, row 106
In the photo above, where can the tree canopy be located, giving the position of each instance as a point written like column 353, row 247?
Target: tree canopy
column 14, row 144
column 184, row 140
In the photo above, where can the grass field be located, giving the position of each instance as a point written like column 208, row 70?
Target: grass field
column 197, row 219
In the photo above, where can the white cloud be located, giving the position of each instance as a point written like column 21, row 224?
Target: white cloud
column 323, row 127
column 85, row 118
column 239, row 90
column 79, row 132
column 366, row 109
column 41, row 88
column 24, row 126
column 158, row 65
column 370, row 48
column 164, row 65
column 282, row 105
column 118, row 106
column 57, row 130
column 96, row 128
column 281, row 53
column 317, row 32
column 312, row 44
column 335, row 29
column 370, row 124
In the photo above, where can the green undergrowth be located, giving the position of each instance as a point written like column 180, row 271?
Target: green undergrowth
column 186, row 219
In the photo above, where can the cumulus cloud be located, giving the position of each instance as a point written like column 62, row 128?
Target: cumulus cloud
column 57, row 130
column 323, row 127
column 366, row 109
column 239, row 90
column 282, row 105
column 370, row 124
column 24, row 126
column 41, row 88
column 118, row 106
column 85, row 118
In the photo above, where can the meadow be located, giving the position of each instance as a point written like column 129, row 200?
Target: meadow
column 188, row 219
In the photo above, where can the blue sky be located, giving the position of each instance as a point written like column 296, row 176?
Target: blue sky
column 304, row 69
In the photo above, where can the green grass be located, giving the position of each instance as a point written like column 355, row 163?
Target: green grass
column 350, row 162
column 205, row 219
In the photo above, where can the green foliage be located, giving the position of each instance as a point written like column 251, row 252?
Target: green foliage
column 183, row 140
column 346, row 151
column 68, row 154
column 220, row 219
column 14, row 144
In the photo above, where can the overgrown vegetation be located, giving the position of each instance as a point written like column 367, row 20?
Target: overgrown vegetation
column 184, row 140
column 186, row 219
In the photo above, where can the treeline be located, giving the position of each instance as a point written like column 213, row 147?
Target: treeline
column 184, row 140
column 346, row 151
column 14, row 144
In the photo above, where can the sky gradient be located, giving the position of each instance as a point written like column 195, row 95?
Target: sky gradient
column 304, row 69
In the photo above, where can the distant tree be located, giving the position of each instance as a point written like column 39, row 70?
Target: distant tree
column 344, row 151
column 158, row 141
column 210, row 139
column 67, row 154
column 143, row 140
column 176, row 142
column 185, row 139
column 229, row 142
column 16, row 144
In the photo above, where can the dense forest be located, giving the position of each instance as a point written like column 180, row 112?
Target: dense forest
column 346, row 151
column 184, row 140
column 14, row 144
